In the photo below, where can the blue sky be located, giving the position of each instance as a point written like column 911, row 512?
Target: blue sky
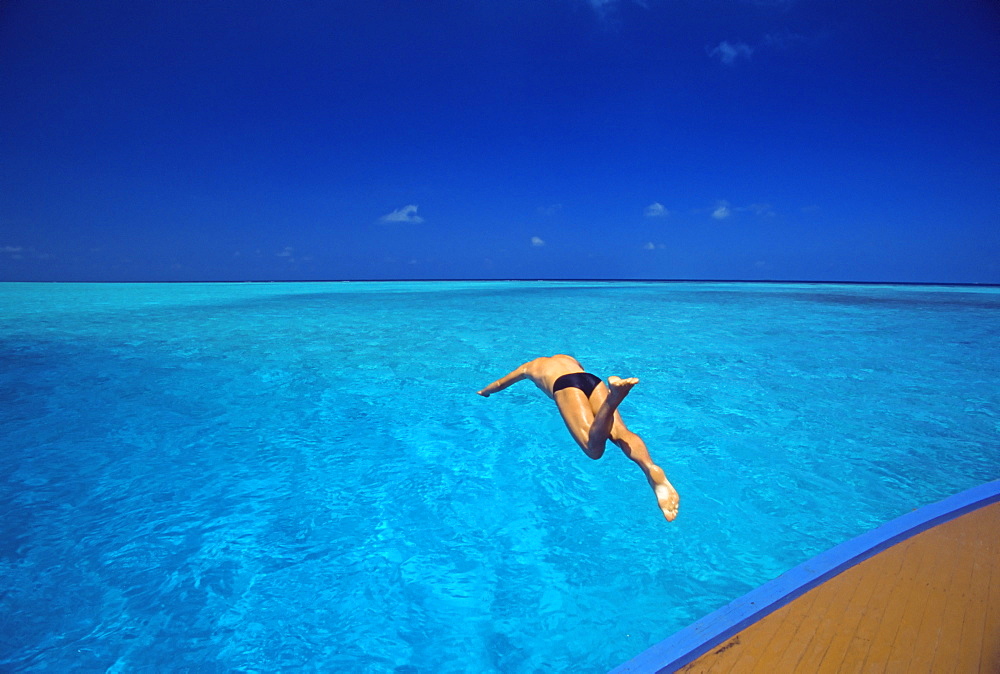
column 677, row 139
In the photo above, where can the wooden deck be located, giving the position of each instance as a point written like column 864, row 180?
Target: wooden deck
column 927, row 601
column 928, row 604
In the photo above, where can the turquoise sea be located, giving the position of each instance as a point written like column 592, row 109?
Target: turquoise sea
column 300, row 476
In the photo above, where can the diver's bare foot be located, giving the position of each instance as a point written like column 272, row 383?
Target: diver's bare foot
column 619, row 387
column 666, row 496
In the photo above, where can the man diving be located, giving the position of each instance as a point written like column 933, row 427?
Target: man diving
column 590, row 410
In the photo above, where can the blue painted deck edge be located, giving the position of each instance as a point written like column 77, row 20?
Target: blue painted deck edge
column 698, row 638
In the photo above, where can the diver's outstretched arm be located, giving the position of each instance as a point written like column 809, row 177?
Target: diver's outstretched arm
column 505, row 381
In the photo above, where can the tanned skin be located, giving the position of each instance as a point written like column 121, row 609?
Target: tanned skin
column 595, row 420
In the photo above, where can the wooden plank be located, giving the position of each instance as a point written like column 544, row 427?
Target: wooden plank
column 747, row 652
column 788, row 635
column 868, row 613
column 937, row 555
column 974, row 621
column 808, row 615
column 990, row 658
column 764, row 631
column 946, row 578
column 831, row 634
column 890, row 612
column 845, row 633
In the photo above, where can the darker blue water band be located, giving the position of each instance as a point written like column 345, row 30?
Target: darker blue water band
column 697, row 639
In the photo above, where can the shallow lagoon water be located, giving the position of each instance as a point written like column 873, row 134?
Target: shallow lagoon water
column 257, row 477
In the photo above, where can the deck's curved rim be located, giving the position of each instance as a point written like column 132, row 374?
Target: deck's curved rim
column 698, row 638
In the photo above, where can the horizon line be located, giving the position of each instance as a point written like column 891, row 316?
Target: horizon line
column 977, row 284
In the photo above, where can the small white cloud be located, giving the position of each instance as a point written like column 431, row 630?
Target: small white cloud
column 536, row 241
column 656, row 210
column 653, row 246
column 728, row 53
column 22, row 253
column 405, row 214
column 722, row 211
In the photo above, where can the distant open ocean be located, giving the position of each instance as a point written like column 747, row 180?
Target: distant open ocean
column 300, row 476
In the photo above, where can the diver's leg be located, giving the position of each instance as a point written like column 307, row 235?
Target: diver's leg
column 590, row 420
column 604, row 401
column 635, row 449
column 579, row 417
